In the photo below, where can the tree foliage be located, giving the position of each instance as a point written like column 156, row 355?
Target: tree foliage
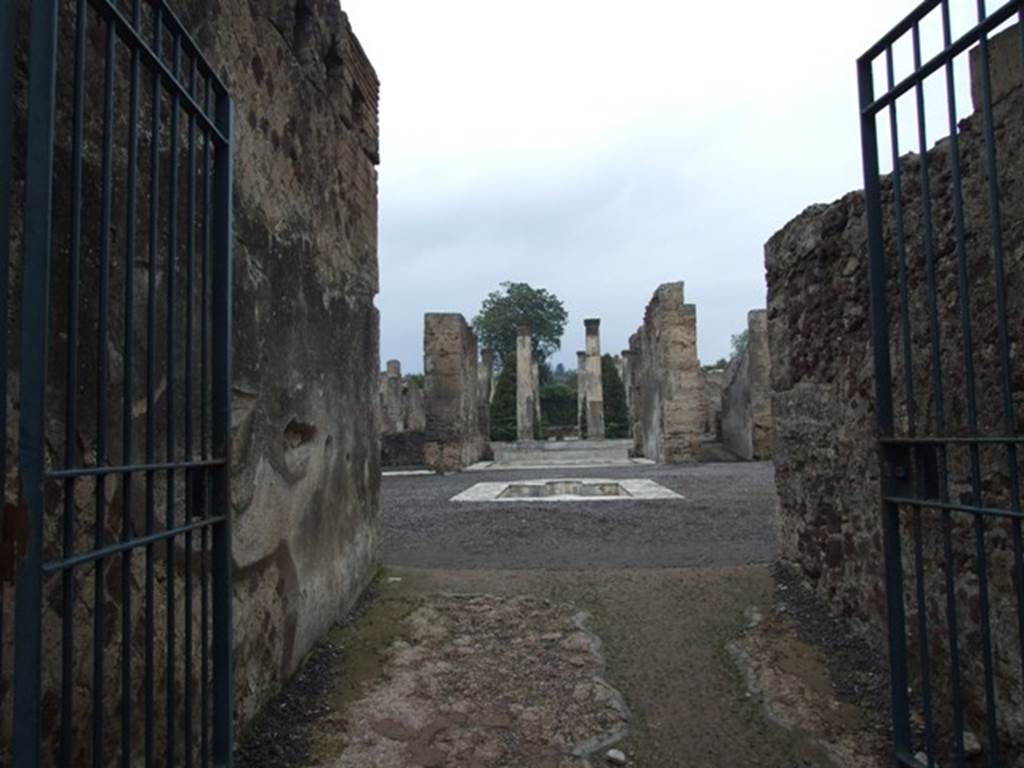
column 503, row 311
column 558, row 404
column 503, row 405
column 739, row 343
column 616, row 411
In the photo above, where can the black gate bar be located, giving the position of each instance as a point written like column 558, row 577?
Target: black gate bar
column 198, row 96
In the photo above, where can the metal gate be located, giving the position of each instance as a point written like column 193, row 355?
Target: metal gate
column 945, row 237
column 116, row 191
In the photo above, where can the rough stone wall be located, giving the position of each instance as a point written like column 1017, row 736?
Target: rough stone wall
column 403, row 419
column 392, row 419
column 401, row 402
column 746, row 407
column 826, row 459
column 714, row 382
column 305, row 440
column 451, row 390
column 306, row 485
column 667, row 391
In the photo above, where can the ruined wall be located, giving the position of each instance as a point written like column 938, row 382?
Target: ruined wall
column 403, row 418
column 826, row 458
column 305, row 478
column 746, row 408
column 714, row 381
column 306, row 485
column 667, row 392
column 451, row 390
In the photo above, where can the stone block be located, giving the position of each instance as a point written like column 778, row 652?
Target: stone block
column 667, row 398
column 453, row 439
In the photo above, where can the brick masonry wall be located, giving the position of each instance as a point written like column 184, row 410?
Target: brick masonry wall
column 826, row 460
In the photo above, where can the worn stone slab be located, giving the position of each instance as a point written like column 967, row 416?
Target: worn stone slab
column 634, row 490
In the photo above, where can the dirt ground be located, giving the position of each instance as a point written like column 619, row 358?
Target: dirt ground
column 720, row 659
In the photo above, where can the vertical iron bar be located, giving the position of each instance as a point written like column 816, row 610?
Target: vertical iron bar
column 999, row 270
column 883, row 381
column 992, row 753
column 1018, row 538
column 154, row 228
column 935, row 336
column 71, row 393
column 8, row 41
column 189, row 476
column 102, row 372
column 221, row 433
column 908, row 384
column 204, row 377
column 126, row 447
column 172, row 253
column 34, row 342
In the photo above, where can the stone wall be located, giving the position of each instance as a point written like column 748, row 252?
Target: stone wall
column 714, row 382
column 746, row 408
column 451, row 388
column 667, row 398
column 826, row 458
column 305, row 445
column 403, row 418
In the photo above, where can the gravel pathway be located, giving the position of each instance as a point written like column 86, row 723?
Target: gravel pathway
column 725, row 518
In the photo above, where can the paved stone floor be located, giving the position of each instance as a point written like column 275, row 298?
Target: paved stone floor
column 669, row 586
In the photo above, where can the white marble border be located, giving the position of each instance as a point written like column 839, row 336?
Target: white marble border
column 638, row 490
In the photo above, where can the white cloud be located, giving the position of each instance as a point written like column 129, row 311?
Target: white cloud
column 597, row 149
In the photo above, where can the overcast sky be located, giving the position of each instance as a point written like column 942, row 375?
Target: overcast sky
column 598, row 149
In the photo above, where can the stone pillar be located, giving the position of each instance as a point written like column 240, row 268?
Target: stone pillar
column 668, row 393
column 595, row 390
column 391, row 399
column 535, row 380
column 525, row 405
column 627, row 384
column 486, row 381
column 413, row 406
column 581, row 386
column 760, row 384
column 451, row 388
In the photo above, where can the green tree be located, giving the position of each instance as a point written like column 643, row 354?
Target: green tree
column 739, row 343
column 503, row 405
column 558, row 404
column 616, row 412
column 503, row 311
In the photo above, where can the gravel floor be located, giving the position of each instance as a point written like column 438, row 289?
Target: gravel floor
column 725, row 518
column 668, row 583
